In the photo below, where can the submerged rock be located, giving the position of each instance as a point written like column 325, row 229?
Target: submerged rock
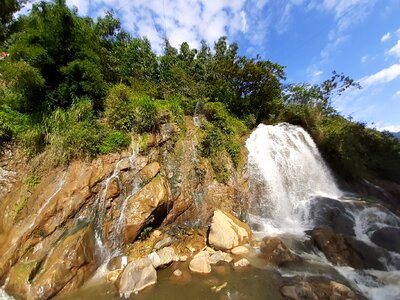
column 275, row 252
column 241, row 263
column 200, row 263
column 218, row 256
column 388, row 238
column 137, row 275
column 227, row 232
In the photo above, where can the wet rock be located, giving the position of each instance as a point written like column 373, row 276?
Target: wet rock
column 227, row 232
column 220, row 256
column 149, row 171
column 118, row 262
column 388, row 238
column 200, row 263
column 69, row 264
column 177, row 273
column 19, row 277
column 138, row 275
column 149, row 204
column 317, row 288
column 240, row 250
column 336, row 248
column 275, row 252
column 326, row 212
column 113, row 189
column 241, row 263
column 302, row 290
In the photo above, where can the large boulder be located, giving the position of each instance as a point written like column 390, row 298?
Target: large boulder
column 68, row 266
column 388, row 238
column 345, row 250
column 327, row 212
column 148, row 205
column 227, row 232
column 137, row 275
column 275, row 252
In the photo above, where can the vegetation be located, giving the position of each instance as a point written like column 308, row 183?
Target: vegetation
column 74, row 87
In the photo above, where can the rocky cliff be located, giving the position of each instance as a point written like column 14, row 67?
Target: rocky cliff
column 56, row 232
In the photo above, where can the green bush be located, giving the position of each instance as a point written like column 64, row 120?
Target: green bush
column 21, row 86
column 114, row 141
column 216, row 113
column 128, row 112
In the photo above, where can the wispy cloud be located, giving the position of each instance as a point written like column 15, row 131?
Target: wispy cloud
column 391, row 128
column 386, row 37
column 364, row 59
column 395, row 50
column 383, row 76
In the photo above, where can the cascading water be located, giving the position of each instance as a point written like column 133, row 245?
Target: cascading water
column 285, row 170
column 288, row 178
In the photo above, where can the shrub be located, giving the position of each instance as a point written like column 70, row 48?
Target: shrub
column 114, row 141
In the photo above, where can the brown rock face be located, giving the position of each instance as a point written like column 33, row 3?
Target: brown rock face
column 275, row 252
column 67, row 267
column 336, row 248
column 148, row 205
column 149, row 171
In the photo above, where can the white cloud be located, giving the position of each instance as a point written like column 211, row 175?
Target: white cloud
column 385, row 37
column 82, row 5
column 391, row 128
column 364, row 59
column 383, row 76
column 395, row 50
column 397, row 95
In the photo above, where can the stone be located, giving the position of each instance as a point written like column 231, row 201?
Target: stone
column 331, row 213
column 220, row 256
column 163, row 243
column 117, row 263
column 155, row 259
column 167, row 255
column 346, row 250
column 177, row 273
column 227, row 232
column 113, row 189
column 137, row 275
column 388, row 238
column 275, row 252
column 71, row 262
column 150, row 203
column 241, row 263
column 302, row 290
column 149, row 171
column 112, row 276
column 240, row 250
column 200, row 263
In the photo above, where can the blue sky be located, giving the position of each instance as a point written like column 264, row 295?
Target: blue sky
column 311, row 38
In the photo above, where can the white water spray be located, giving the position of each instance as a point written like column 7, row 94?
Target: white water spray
column 285, row 171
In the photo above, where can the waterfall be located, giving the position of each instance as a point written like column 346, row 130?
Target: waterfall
column 285, row 170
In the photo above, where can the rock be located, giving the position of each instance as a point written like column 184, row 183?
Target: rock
column 112, row 276
column 227, row 232
column 155, row 259
column 18, row 279
column 183, row 258
column 336, row 248
column 317, row 288
column 346, row 250
column 302, row 290
column 177, row 273
column 241, row 263
column 149, row 171
column 388, row 238
column 137, row 275
column 113, row 189
column 163, row 243
column 200, row 263
column 150, row 203
column 218, row 288
column 275, row 252
column 327, row 212
column 117, row 262
column 240, row 250
column 167, row 255
column 71, row 262
column 157, row 233
column 220, row 256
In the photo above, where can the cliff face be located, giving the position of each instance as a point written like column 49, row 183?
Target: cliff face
column 54, row 235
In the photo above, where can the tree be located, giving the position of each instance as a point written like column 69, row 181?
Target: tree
column 7, row 10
